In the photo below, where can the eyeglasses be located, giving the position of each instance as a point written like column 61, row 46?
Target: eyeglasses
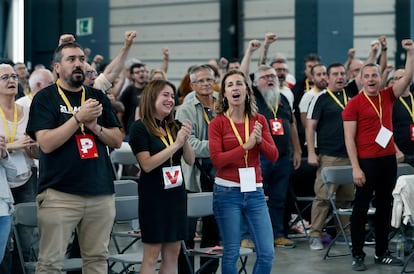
column 6, row 77
column 91, row 73
column 204, row 81
column 396, row 78
column 280, row 69
column 268, row 77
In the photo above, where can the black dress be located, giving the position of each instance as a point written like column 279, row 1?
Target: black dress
column 162, row 212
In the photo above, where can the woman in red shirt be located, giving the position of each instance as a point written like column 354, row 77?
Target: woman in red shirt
column 237, row 136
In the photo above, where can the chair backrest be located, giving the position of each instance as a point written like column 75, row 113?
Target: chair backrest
column 125, row 188
column 199, row 204
column 337, row 175
column 123, row 155
column 25, row 214
column 126, row 208
column 404, row 169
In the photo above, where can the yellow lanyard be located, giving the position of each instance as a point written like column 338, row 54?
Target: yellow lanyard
column 10, row 138
column 308, row 86
column 27, row 89
column 337, row 100
column 30, row 95
column 410, row 111
column 379, row 113
column 206, row 116
column 68, row 105
column 236, row 133
column 205, row 113
column 274, row 109
column 170, row 139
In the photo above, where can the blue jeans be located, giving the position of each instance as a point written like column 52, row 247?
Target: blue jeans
column 276, row 183
column 230, row 206
column 5, row 226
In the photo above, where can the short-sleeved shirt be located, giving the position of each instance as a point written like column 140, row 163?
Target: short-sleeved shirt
column 359, row 109
column 330, row 129
column 402, row 121
column 130, row 98
column 63, row 169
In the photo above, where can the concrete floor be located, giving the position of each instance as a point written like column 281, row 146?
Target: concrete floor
column 302, row 260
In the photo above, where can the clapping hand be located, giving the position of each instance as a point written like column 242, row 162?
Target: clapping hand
column 257, row 131
column 184, row 133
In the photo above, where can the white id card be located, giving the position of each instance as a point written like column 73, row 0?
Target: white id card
column 247, row 179
column 383, row 137
column 173, row 176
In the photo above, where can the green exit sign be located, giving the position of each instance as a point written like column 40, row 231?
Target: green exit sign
column 84, row 26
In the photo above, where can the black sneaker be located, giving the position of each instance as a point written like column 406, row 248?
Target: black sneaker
column 358, row 264
column 387, row 259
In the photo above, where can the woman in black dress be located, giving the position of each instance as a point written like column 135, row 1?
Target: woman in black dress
column 159, row 142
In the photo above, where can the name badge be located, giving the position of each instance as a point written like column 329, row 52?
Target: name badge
column 173, row 176
column 86, row 146
column 412, row 132
column 277, row 126
column 247, row 179
column 383, row 137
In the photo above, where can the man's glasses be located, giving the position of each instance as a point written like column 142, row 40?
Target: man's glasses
column 268, row 77
column 91, row 73
column 6, row 77
column 204, row 81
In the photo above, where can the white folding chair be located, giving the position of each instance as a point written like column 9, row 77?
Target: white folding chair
column 201, row 205
column 121, row 157
column 25, row 215
column 339, row 175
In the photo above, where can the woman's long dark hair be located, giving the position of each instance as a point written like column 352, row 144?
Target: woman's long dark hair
column 147, row 108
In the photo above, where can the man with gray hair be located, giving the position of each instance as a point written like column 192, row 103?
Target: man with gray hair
column 276, row 108
column 200, row 176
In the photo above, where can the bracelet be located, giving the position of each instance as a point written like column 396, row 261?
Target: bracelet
column 384, row 49
column 100, row 132
column 76, row 118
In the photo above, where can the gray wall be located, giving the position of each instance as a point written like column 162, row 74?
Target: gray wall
column 191, row 29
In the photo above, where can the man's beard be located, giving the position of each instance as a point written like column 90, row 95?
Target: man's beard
column 271, row 95
column 75, row 81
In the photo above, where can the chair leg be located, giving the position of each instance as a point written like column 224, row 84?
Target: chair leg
column 187, row 259
column 243, row 261
column 342, row 232
column 406, row 264
column 299, row 211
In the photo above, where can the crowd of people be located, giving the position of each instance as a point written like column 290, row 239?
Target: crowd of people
column 239, row 134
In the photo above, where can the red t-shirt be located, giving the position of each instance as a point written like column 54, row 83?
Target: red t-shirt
column 227, row 155
column 368, row 122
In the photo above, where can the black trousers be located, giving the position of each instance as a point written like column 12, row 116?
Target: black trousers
column 380, row 174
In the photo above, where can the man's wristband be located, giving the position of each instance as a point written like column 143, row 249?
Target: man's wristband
column 384, row 49
column 76, row 118
column 100, row 132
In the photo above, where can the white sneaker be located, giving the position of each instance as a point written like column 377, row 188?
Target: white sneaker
column 315, row 243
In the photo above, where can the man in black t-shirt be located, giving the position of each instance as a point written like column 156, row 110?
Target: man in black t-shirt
column 131, row 96
column 324, row 118
column 74, row 126
column 276, row 108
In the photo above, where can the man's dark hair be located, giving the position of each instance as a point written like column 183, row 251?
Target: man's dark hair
column 57, row 55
